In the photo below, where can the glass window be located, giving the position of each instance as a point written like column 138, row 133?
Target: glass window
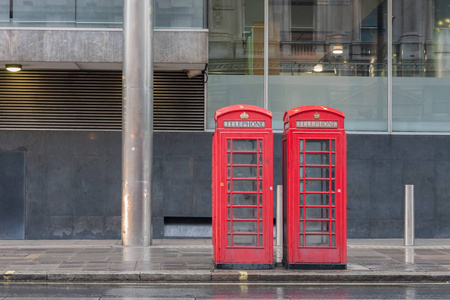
column 236, row 54
column 330, row 53
column 179, row 14
column 98, row 13
column 421, row 66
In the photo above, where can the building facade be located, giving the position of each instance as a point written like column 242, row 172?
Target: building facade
column 60, row 139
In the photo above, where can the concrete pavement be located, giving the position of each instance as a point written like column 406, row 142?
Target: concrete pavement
column 191, row 260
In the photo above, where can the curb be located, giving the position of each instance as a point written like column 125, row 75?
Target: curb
column 229, row 276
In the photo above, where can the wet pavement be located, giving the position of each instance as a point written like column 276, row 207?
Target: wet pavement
column 191, row 260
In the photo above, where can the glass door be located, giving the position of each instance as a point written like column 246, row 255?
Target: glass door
column 245, row 171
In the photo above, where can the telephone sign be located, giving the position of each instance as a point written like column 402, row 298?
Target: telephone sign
column 242, row 189
column 314, row 188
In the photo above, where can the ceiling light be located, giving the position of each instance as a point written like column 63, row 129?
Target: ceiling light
column 338, row 50
column 13, row 68
column 318, row 68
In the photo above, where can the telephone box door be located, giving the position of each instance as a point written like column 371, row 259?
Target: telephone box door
column 242, row 188
column 319, row 188
column 246, row 206
column 314, row 183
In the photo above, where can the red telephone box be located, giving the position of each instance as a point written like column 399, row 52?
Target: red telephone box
column 314, row 188
column 242, row 167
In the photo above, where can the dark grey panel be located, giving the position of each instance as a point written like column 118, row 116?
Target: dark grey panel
column 12, row 195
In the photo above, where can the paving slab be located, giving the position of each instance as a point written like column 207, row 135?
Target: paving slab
column 183, row 260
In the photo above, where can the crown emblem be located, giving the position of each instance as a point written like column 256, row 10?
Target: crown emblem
column 244, row 115
column 316, row 115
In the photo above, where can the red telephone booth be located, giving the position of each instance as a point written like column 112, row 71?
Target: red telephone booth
column 314, row 188
column 242, row 167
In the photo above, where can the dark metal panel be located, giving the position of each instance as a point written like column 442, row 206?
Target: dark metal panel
column 92, row 100
column 12, row 195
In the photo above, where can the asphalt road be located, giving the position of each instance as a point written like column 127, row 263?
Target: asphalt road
column 35, row 290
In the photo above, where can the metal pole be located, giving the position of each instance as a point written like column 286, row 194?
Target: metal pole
column 266, row 54
column 137, row 121
column 409, row 215
column 389, row 64
column 279, row 221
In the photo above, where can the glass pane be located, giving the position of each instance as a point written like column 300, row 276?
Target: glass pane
column 301, row 199
column 333, row 240
column 244, row 185
column 317, row 240
column 260, row 199
column 261, row 213
column 228, row 226
column 261, row 240
column 331, row 53
column 245, row 213
column 179, row 14
column 228, row 240
column 317, row 145
column 260, row 185
column 260, row 145
column 314, row 172
column 301, row 241
column 236, row 55
column 260, row 159
column 228, row 145
column 317, row 213
column 301, row 159
column 260, row 172
column 317, row 186
column 228, row 199
column 261, row 226
column 301, row 172
column 301, row 185
column 317, row 226
column 244, row 199
column 4, row 10
column 421, row 67
column 228, row 185
column 228, row 213
column 302, row 226
column 244, row 158
column 333, row 227
column 332, row 145
column 332, row 199
column 244, row 226
column 317, row 199
column 244, row 240
column 228, row 158
column 229, row 172
column 244, row 145
column 301, row 212
column 43, row 11
column 99, row 11
column 301, row 145
column 244, row 172
column 317, row 159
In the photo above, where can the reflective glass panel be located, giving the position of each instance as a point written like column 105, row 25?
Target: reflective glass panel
column 317, row 145
column 332, row 53
column 421, row 66
column 244, row 172
column 245, row 213
column 179, row 14
column 244, row 226
column 317, row 226
column 242, row 240
column 317, row 159
column 244, row 185
column 244, row 145
column 317, row 199
column 236, row 55
column 317, row 172
column 244, row 158
column 317, row 213
column 317, row 185
column 317, row 240
column 244, row 199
